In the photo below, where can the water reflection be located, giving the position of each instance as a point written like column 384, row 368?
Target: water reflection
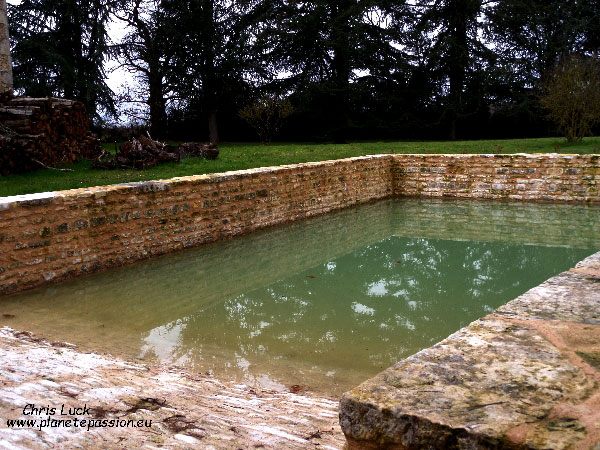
column 327, row 302
column 381, row 303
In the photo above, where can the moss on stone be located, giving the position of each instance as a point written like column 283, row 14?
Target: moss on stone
column 592, row 358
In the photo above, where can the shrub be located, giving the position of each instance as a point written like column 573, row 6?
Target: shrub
column 572, row 95
column 266, row 115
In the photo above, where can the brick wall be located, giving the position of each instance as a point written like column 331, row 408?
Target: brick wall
column 53, row 236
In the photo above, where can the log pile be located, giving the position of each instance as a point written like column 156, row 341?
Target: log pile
column 40, row 132
column 145, row 152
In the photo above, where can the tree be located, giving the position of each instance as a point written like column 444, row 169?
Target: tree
column 148, row 51
column 325, row 47
column 572, row 95
column 6, row 80
column 447, row 50
column 59, row 49
column 529, row 37
column 266, row 114
column 215, row 54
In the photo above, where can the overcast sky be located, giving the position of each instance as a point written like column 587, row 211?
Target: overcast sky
column 117, row 76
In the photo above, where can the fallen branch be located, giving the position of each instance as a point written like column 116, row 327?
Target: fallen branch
column 146, row 152
column 48, row 167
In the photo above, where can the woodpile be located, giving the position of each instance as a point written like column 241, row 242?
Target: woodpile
column 41, row 132
column 145, row 152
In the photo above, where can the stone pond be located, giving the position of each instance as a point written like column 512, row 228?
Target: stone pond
column 315, row 307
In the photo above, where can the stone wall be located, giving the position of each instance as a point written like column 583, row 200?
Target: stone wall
column 536, row 177
column 544, row 223
column 53, row 236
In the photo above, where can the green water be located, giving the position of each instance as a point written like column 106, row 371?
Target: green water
column 324, row 303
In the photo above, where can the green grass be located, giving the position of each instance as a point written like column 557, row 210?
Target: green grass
column 235, row 156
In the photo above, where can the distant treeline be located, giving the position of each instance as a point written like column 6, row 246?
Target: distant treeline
column 351, row 69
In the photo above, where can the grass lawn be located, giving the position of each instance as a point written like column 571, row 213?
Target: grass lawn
column 235, row 156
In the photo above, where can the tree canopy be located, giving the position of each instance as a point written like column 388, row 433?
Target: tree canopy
column 351, row 69
column 60, row 49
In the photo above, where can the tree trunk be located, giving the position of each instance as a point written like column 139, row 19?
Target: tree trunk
column 453, row 127
column 213, row 131
column 156, row 101
column 6, row 79
column 459, row 60
column 209, row 71
column 341, row 70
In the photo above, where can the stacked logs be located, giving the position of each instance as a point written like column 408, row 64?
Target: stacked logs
column 41, row 132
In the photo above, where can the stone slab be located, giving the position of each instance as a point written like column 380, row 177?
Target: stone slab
column 569, row 296
column 185, row 410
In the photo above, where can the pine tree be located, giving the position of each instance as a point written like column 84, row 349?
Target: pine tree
column 59, row 49
column 148, row 51
column 215, row 54
column 329, row 50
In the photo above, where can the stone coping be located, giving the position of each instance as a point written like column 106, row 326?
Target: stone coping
column 140, row 187
column 525, row 376
column 164, row 184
